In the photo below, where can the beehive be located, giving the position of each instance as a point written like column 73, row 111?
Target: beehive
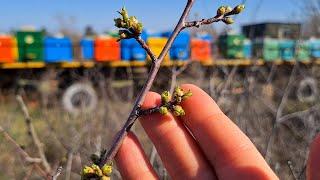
column 8, row 49
column 106, row 49
column 156, row 45
column 57, row 49
column 180, row 49
column 200, row 50
column 30, row 45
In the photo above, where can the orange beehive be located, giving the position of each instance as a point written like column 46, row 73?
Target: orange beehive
column 106, row 49
column 200, row 50
column 8, row 48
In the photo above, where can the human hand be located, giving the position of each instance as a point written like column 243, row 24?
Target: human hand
column 203, row 144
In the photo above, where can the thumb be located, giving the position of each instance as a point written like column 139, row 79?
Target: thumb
column 313, row 165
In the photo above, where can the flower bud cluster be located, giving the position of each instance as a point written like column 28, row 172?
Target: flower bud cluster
column 95, row 172
column 171, row 103
column 227, row 11
column 129, row 25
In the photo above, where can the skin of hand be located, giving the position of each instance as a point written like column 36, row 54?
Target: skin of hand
column 203, row 144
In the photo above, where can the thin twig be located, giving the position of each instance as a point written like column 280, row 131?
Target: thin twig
column 228, row 81
column 69, row 165
column 153, row 155
column 107, row 158
column 23, row 153
column 286, row 94
column 33, row 134
column 299, row 113
column 175, row 73
column 57, row 173
column 29, row 173
column 203, row 22
column 289, row 163
column 280, row 110
column 144, row 45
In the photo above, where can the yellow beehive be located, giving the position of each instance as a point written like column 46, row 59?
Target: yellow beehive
column 15, row 49
column 156, row 45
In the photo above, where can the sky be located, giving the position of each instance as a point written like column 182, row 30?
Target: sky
column 156, row 15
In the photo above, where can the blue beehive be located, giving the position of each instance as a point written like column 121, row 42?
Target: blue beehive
column 287, row 48
column 57, row 49
column 87, row 48
column 180, row 49
column 131, row 49
column 247, row 49
column 315, row 48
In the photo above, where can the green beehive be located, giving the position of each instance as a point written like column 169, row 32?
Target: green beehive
column 231, row 46
column 303, row 51
column 30, row 45
column 267, row 49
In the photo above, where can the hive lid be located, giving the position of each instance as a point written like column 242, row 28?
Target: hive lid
column 28, row 28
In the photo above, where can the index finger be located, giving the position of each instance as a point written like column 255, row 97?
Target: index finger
column 227, row 148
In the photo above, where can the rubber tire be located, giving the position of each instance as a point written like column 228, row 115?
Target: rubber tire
column 74, row 89
column 312, row 83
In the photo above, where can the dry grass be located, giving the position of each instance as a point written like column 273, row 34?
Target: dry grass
column 246, row 99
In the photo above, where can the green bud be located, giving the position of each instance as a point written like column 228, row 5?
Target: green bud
column 139, row 28
column 163, row 110
column 187, row 95
column 166, row 97
column 107, row 170
column 97, row 170
column 178, row 111
column 228, row 9
column 95, row 158
column 221, row 11
column 238, row 9
column 178, row 92
column 133, row 20
column 123, row 35
column 124, row 14
column 118, row 23
column 178, row 99
column 105, row 178
column 87, row 170
column 228, row 20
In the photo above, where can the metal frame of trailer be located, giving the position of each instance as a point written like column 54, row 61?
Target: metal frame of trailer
column 115, row 64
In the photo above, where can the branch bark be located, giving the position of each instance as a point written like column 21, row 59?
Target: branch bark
column 57, row 173
column 23, row 153
column 175, row 73
column 107, row 158
column 280, row 111
column 203, row 22
column 33, row 134
column 144, row 45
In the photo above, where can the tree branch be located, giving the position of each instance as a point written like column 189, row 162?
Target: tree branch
column 23, row 153
column 33, row 134
column 135, row 29
column 107, row 158
column 299, row 113
column 175, row 73
column 203, row 22
column 57, row 173
column 144, row 45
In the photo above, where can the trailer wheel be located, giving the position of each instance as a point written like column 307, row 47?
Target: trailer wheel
column 307, row 90
column 79, row 98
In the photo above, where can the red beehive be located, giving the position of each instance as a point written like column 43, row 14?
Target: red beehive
column 200, row 50
column 106, row 49
column 7, row 49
